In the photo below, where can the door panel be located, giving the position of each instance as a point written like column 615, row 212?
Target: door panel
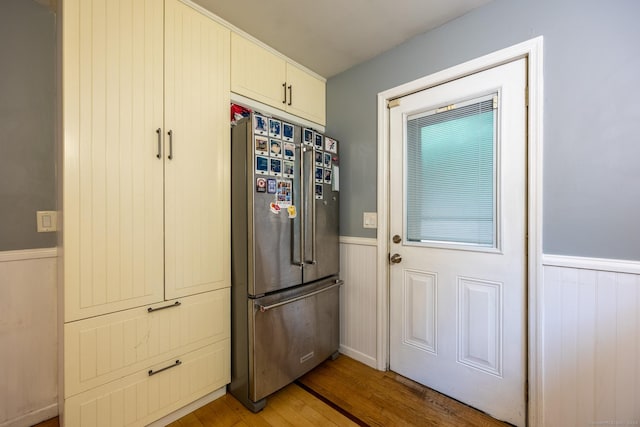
column 458, row 296
column 197, row 153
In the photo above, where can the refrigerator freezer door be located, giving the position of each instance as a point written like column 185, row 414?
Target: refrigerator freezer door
column 290, row 334
column 321, row 228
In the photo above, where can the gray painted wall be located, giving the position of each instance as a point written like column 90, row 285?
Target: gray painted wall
column 27, row 117
column 591, row 114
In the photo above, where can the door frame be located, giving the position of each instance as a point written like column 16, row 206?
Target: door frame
column 532, row 51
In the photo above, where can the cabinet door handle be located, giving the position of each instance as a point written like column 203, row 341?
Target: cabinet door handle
column 170, row 133
column 290, row 95
column 284, row 88
column 159, row 132
column 177, row 363
column 175, row 304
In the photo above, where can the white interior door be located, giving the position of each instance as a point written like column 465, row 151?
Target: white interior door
column 458, row 239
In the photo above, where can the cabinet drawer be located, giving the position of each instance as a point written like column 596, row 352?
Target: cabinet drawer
column 109, row 347
column 140, row 398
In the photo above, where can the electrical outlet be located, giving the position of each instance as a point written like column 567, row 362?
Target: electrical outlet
column 370, row 220
column 47, row 221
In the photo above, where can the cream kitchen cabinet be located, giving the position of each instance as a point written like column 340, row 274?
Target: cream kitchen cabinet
column 264, row 76
column 145, row 204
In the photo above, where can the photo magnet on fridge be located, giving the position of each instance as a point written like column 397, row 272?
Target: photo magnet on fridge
column 289, row 150
column 318, row 140
column 327, row 176
column 262, row 165
column 260, row 125
column 327, row 160
column 287, row 132
column 307, row 136
column 275, row 128
column 319, row 176
column 319, row 195
column 330, row 145
column 318, row 158
column 275, row 148
column 288, row 170
column 276, row 167
column 262, row 145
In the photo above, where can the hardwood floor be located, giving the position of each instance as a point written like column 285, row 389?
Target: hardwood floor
column 341, row 393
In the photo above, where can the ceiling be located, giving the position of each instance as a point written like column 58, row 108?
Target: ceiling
column 330, row 36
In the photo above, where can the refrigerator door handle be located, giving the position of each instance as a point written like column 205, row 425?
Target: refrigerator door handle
column 302, row 216
column 264, row 308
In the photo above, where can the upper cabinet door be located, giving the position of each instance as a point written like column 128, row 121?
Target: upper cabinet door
column 113, row 182
column 260, row 74
column 257, row 73
column 197, row 153
column 306, row 95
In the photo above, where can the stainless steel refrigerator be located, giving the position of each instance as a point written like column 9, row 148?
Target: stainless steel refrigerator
column 285, row 255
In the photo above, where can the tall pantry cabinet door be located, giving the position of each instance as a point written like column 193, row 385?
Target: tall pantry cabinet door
column 197, row 153
column 113, row 182
column 257, row 73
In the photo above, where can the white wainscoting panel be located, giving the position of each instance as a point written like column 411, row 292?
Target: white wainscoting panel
column 591, row 344
column 358, row 299
column 28, row 337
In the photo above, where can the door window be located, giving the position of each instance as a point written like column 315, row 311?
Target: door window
column 450, row 181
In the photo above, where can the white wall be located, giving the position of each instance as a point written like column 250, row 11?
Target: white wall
column 28, row 337
column 358, row 299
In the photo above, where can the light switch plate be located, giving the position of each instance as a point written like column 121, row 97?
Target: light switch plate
column 370, row 220
column 47, row 221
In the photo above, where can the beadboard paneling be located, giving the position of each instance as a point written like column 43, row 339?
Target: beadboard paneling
column 358, row 299
column 28, row 337
column 591, row 358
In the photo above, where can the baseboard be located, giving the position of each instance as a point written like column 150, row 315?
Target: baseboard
column 34, row 417
column 360, row 357
column 600, row 264
column 176, row 415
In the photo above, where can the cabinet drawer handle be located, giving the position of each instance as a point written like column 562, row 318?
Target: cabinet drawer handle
column 170, row 133
column 175, row 304
column 177, row 363
column 284, row 87
column 290, row 95
column 159, row 132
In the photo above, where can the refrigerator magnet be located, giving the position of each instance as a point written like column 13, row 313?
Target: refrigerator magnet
column 261, row 185
column 274, row 208
column 262, row 145
column 289, row 150
column 319, row 176
column 319, row 192
column 307, row 136
column 275, row 127
column 335, row 185
column 318, row 138
column 327, row 176
column 287, row 132
column 330, row 145
column 262, row 165
column 291, row 210
column 275, row 148
column 260, row 125
column 288, row 170
column 271, row 186
column 284, row 193
column 318, row 158
column 275, row 167
column 327, row 160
